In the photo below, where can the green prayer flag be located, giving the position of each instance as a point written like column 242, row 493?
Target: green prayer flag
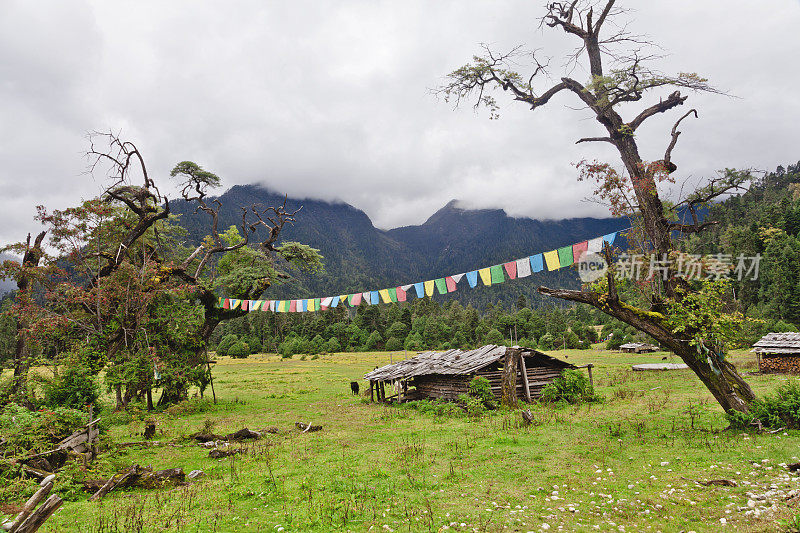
column 441, row 285
column 565, row 256
column 317, row 304
column 393, row 294
column 497, row 274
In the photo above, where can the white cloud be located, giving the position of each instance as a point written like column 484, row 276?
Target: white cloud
column 331, row 99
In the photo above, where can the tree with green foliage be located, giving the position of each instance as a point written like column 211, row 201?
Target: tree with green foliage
column 144, row 306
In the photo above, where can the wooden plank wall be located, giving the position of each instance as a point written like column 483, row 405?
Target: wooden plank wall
column 448, row 387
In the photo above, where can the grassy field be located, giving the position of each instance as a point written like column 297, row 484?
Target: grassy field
column 627, row 464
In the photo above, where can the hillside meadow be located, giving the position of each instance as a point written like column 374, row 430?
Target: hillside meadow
column 630, row 463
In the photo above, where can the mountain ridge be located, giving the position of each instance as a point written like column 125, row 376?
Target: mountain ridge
column 359, row 256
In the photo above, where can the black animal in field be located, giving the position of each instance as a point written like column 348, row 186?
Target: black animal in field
column 354, row 387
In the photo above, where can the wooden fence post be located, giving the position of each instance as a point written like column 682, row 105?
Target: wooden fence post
column 590, row 366
column 525, row 379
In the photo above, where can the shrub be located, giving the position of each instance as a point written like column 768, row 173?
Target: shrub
column 546, row 342
column 239, row 350
column 316, row 345
column 779, row 410
column 37, row 431
column 225, row 344
column 333, row 345
column 480, row 387
column 394, row 344
column 617, row 339
column 75, row 388
column 571, row 386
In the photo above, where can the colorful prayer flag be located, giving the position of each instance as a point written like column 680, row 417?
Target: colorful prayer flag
column 511, row 269
column 565, row 256
column 523, row 268
column 429, row 287
column 486, row 276
column 536, row 263
column 497, row 274
column 355, row 299
column 335, row 301
column 393, row 295
column 420, row 289
column 472, row 278
column 227, row 303
column 293, row 306
column 551, row 258
column 385, row 296
column 401, row 294
column 245, row 305
column 374, row 297
column 595, row 245
column 579, row 250
column 441, row 285
column 610, row 238
column 457, row 277
column 451, row 283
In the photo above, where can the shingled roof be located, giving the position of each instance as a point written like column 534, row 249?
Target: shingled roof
column 778, row 343
column 453, row 362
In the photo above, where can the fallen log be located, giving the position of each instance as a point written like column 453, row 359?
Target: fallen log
column 216, row 453
column 305, row 428
column 138, row 477
column 40, row 515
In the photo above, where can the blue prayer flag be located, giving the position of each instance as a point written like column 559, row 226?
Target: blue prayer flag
column 536, row 263
column 420, row 288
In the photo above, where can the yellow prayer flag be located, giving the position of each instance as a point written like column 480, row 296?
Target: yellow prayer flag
column 311, row 303
column 385, row 296
column 486, row 275
column 551, row 258
column 429, row 288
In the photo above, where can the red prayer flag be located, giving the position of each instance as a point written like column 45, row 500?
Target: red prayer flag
column 293, row 306
column 451, row 283
column 401, row 294
column 245, row 305
column 511, row 268
column 226, row 304
column 579, row 249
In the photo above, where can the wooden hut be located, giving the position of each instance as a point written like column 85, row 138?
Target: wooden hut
column 778, row 353
column 445, row 375
column 638, row 347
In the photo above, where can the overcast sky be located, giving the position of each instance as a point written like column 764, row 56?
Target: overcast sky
column 332, row 100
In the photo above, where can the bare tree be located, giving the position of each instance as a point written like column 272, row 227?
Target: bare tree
column 619, row 77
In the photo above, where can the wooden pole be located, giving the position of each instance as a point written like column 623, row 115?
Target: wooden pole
column 31, row 504
column 525, row 379
column 371, row 391
column 590, row 366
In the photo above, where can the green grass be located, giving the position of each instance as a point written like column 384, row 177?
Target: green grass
column 625, row 464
